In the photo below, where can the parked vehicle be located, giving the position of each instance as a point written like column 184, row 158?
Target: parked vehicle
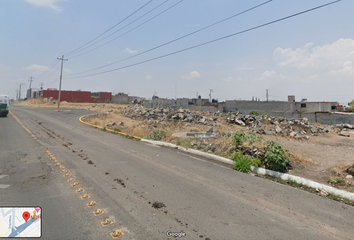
column 4, row 105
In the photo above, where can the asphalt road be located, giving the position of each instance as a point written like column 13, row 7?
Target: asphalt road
column 202, row 200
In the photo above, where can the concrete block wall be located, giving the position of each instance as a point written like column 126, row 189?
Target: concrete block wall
column 315, row 106
column 335, row 118
column 246, row 107
column 120, row 99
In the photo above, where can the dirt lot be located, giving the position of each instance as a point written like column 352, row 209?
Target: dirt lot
column 324, row 158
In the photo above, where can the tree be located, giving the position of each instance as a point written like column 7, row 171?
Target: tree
column 351, row 106
column 121, row 94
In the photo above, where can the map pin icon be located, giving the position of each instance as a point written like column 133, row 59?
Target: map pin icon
column 26, row 216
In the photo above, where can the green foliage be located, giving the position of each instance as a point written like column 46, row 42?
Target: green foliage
column 129, row 136
column 228, row 134
column 178, row 142
column 337, row 180
column 156, row 135
column 238, row 138
column 256, row 162
column 187, row 144
column 242, row 163
column 223, row 134
column 104, row 129
column 254, row 113
column 265, row 115
column 293, row 183
column 121, row 94
column 275, row 157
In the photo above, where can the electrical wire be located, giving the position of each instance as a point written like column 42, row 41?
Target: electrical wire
column 174, row 40
column 55, row 80
column 208, row 42
column 53, row 71
column 48, row 69
column 71, row 52
column 129, row 30
column 116, row 32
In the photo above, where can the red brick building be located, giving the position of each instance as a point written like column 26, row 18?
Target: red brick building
column 78, row 96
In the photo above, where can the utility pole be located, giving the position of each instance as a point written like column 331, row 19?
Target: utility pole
column 211, row 90
column 41, row 88
column 61, row 74
column 30, row 88
column 267, row 94
column 19, row 94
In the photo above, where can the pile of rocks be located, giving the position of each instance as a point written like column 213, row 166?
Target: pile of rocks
column 50, row 100
column 295, row 128
column 167, row 114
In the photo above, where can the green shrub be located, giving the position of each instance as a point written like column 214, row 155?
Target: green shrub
column 239, row 138
column 256, row 162
column 228, row 134
column 275, row 157
column 223, row 134
column 254, row 113
column 242, row 163
column 104, row 129
column 156, row 135
column 129, row 136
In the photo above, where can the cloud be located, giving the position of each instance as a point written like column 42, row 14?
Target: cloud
column 193, row 74
column 336, row 57
column 36, row 69
column 47, row 3
column 268, row 74
column 128, row 50
column 229, row 79
column 149, row 77
column 67, row 70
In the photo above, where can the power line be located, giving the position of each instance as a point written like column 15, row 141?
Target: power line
column 48, row 69
column 54, row 71
column 164, row 44
column 129, row 30
column 116, row 32
column 55, row 80
column 69, row 53
column 215, row 40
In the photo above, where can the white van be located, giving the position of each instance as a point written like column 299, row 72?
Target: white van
column 4, row 105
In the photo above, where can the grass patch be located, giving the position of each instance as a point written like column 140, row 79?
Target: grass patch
column 156, row 135
column 336, row 180
column 242, row 163
column 129, row 136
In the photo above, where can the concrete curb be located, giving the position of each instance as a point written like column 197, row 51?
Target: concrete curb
column 81, row 119
column 261, row 171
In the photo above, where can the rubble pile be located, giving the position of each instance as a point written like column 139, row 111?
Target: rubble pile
column 295, row 128
column 167, row 114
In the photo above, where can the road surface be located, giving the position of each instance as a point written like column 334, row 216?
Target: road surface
column 202, row 200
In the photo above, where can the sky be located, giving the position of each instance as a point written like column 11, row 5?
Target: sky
column 309, row 55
